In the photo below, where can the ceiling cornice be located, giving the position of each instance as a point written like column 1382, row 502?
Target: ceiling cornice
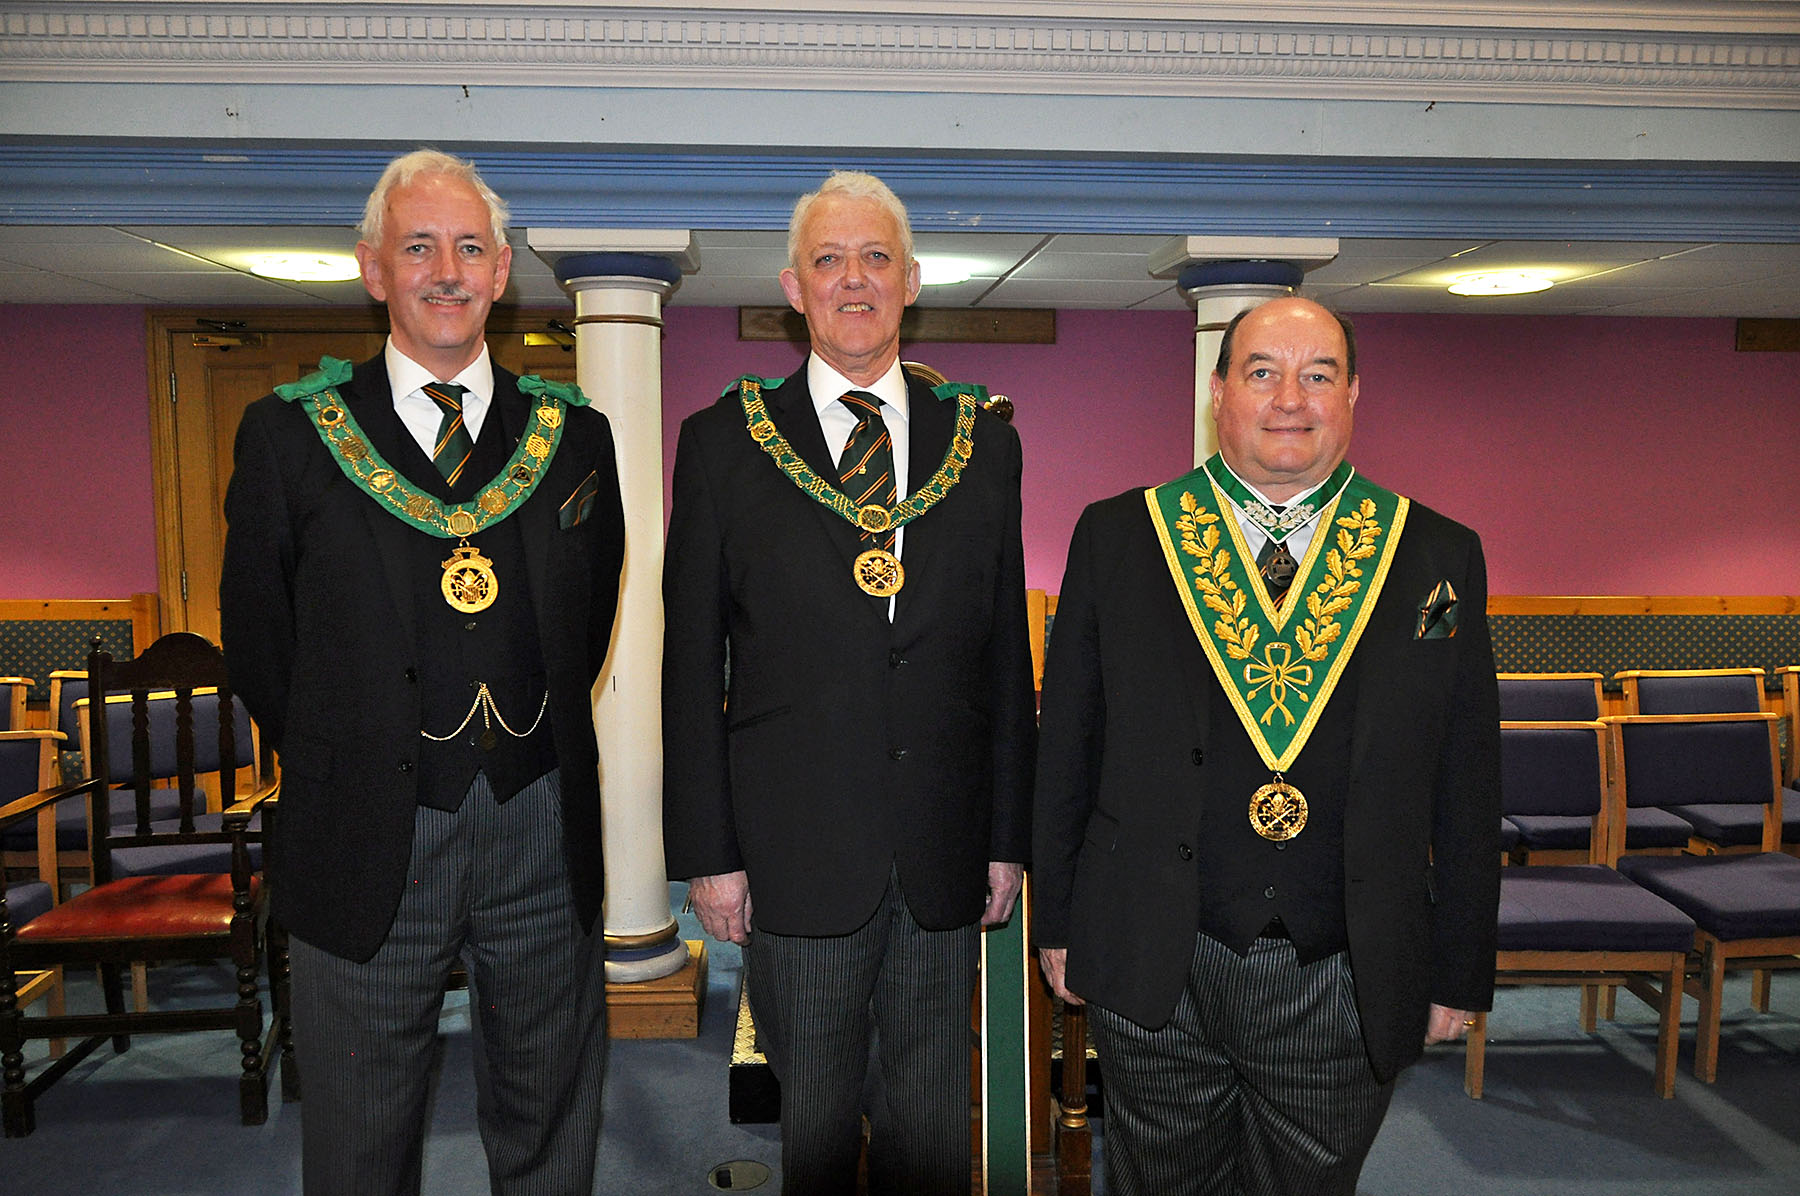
column 1707, row 55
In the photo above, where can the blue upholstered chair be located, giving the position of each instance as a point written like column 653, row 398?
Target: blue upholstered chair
column 12, row 702
column 1556, row 837
column 123, row 920
column 1718, row 828
column 1580, row 924
column 1746, row 907
column 1549, row 697
column 165, row 811
column 25, row 768
column 1692, row 691
column 1545, row 697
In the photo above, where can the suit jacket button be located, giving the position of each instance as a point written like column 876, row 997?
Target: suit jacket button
column 1185, row 852
column 1198, row 756
column 406, row 766
column 895, row 660
column 896, row 753
column 412, row 674
column 1269, row 892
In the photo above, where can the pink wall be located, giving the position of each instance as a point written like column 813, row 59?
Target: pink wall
column 1596, row 455
column 1522, row 427
column 75, row 436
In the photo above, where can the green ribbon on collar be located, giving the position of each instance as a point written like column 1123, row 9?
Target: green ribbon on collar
column 350, row 448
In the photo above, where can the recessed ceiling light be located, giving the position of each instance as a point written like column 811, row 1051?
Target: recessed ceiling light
column 305, row 267
column 937, row 271
column 1499, row 282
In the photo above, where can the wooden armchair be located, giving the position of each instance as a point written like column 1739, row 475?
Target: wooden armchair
column 1719, row 829
column 12, row 702
column 1580, row 924
column 124, row 920
column 25, row 768
column 1746, row 906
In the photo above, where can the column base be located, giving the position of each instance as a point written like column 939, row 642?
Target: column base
column 667, row 1006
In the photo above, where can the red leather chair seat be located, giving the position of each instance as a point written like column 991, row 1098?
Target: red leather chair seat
column 140, row 907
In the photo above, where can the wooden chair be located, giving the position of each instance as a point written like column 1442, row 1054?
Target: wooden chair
column 1550, row 697
column 1559, row 839
column 28, row 764
column 1692, row 691
column 1544, row 697
column 1719, row 829
column 150, row 918
column 25, row 768
column 1580, row 924
column 12, row 702
column 1746, row 908
column 1790, row 777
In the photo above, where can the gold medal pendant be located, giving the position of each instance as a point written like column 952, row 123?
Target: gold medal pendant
column 1277, row 810
column 469, row 584
column 878, row 573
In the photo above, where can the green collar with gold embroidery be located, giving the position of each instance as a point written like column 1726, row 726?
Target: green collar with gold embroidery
column 1273, row 662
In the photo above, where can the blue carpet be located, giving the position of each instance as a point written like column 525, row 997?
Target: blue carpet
column 1566, row 1113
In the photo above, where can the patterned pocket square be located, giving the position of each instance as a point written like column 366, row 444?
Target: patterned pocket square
column 1437, row 614
column 579, row 505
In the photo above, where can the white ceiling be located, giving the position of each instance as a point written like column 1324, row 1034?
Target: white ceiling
column 205, row 265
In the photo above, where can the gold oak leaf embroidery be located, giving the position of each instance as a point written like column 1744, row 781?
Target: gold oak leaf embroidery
column 1342, row 580
column 1212, row 579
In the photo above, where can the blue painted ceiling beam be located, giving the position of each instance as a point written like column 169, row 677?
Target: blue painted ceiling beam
column 239, row 183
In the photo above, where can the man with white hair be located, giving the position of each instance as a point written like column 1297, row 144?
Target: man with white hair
column 419, row 586
column 848, row 707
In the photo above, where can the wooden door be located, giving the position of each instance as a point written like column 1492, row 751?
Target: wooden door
column 206, row 371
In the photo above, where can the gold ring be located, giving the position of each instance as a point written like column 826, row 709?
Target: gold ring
column 1468, row 1021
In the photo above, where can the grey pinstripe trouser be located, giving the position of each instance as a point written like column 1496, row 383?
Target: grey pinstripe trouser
column 816, row 1001
column 1258, row 1086
column 488, row 883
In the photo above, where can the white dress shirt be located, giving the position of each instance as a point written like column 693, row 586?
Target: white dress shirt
column 837, row 421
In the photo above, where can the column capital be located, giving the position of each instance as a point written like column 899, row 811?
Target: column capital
column 659, row 254
column 1256, row 266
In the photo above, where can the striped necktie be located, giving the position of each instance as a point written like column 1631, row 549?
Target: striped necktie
column 453, row 447
column 866, row 466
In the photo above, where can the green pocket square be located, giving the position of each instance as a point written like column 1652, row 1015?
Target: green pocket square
column 1437, row 614
column 579, row 505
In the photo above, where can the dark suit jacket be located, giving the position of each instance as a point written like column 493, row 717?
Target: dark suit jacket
column 317, row 623
column 844, row 744
column 1121, row 776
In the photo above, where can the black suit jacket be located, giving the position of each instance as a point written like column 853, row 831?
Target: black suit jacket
column 317, row 626
column 844, row 744
column 1122, row 775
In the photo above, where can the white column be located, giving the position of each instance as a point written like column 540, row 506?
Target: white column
column 1222, row 276
column 619, row 280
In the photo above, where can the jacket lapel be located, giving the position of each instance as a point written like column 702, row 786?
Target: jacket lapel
column 930, row 421
column 537, row 517
column 371, row 403
column 791, row 407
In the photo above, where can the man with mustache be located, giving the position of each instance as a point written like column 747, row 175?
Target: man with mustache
column 847, row 707
column 419, row 585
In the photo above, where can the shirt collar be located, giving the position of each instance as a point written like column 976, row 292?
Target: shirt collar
column 1271, row 503
column 406, row 375
column 827, row 386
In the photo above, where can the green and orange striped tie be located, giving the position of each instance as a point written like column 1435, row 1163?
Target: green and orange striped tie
column 453, row 447
column 866, row 465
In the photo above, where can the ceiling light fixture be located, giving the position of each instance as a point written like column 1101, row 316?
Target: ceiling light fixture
column 936, row 271
column 305, row 267
column 1499, row 282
